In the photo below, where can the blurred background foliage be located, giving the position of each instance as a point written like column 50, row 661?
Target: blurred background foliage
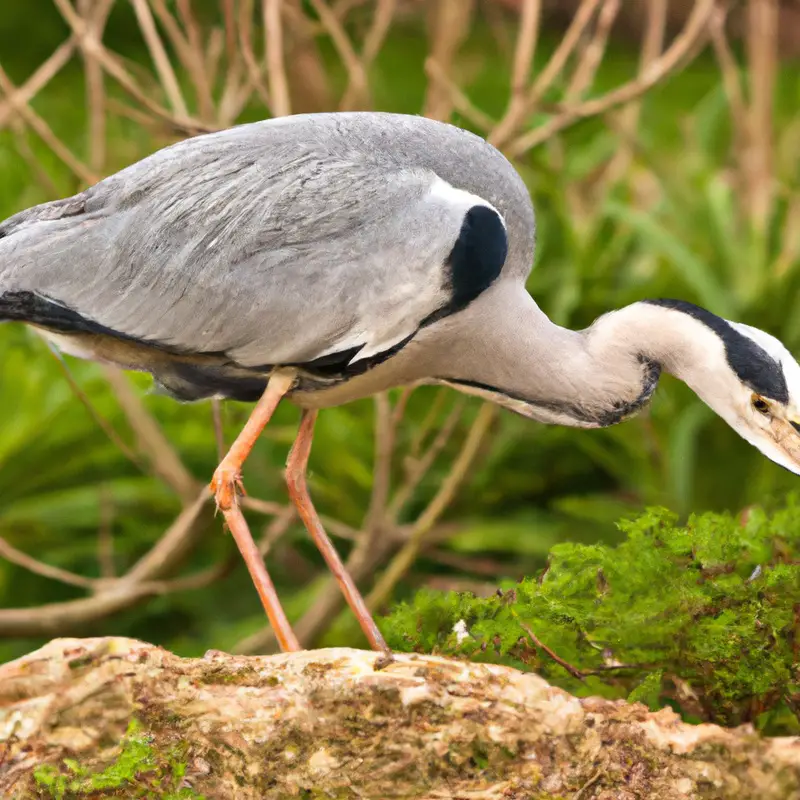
column 689, row 190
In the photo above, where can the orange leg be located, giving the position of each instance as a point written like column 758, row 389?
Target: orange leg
column 227, row 482
column 298, row 491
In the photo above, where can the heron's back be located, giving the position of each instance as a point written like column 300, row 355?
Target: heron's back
column 285, row 240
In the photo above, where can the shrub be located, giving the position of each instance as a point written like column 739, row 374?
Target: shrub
column 704, row 617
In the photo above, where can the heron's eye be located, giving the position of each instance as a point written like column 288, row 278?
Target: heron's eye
column 760, row 404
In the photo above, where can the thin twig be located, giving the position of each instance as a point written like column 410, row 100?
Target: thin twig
column 160, row 58
column 114, row 67
column 450, row 25
column 584, row 74
column 333, row 526
column 576, row 673
column 246, row 44
column 14, row 556
column 417, row 468
column 105, row 535
column 376, row 35
column 219, row 430
column 95, row 89
column 628, row 117
column 175, row 543
column 276, row 529
column 152, row 441
column 524, row 51
column 456, row 98
column 385, row 430
column 526, row 46
column 44, row 131
column 356, row 74
column 276, row 69
column 517, row 111
column 402, row 562
column 55, row 619
column 693, row 31
column 99, row 419
column 20, row 132
column 198, row 71
column 762, row 53
column 46, row 72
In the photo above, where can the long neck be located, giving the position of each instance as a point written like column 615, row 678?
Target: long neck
column 505, row 348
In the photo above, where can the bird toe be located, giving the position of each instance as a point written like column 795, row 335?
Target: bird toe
column 227, row 486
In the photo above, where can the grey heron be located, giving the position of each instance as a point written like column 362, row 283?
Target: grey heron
column 323, row 258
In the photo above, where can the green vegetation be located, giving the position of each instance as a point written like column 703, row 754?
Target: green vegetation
column 703, row 617
column 672, row 218
column 138, row 771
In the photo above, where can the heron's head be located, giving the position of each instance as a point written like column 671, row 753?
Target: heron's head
column 752, row 381
column 765, row 407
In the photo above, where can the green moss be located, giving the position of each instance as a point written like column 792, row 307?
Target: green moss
column 138, row 771
column 703, row 616
column 243, row 676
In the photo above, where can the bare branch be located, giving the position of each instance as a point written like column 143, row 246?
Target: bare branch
column 356, row 74
column 95, row 90
column 385, row 430
column 652, row 45
column 373, row 41
column 152, row 442
column 46, row 72
column 54, row 619
column 14, row 556
column 456, row 98
column 174, row 544
column 576, row 673
column 105, row 535
column 113, row 66
column 276, row 69
column 219, row 431
column 44, row 131
column 449, row 27
column 762, row 53
column 526, row 46
column 589, row 61
column 517, row 111
column 161, row 61
column 417, row 467
column 693, row 32
column 197, row 68
column 23, row 146
column 99, row 419
column 403, row 561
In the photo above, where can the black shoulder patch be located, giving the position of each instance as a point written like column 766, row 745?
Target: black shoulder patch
column 754, row 366
column 475, row 261
column 478, row 255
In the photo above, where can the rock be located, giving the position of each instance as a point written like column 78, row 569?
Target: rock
column 131, row 719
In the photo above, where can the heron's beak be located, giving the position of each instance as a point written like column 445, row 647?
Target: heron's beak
column 785, row 435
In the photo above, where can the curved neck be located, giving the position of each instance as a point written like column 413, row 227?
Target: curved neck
column 590, row 378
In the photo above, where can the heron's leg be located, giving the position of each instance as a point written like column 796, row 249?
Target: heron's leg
column 296, row 466
column 227, row 481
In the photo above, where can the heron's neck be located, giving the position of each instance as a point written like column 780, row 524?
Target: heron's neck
column 591, row 378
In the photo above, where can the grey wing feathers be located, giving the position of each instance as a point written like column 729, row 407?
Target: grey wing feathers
column 278, row 254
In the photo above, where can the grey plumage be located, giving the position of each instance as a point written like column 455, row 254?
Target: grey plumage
column 277, row 242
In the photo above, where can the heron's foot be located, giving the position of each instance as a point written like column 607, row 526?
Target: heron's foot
column 227, row 486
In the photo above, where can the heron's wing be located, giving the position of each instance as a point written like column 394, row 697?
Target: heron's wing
column 270, row 255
